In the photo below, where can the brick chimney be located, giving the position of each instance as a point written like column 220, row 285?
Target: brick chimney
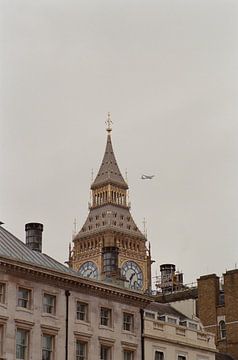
column 34, row 236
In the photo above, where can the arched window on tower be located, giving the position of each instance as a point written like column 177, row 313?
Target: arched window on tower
column 222, row 329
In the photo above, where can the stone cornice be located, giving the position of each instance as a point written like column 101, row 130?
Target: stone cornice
column 73, row 282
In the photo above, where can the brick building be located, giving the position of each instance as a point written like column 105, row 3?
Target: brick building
column 215, row 302
column 218, row 309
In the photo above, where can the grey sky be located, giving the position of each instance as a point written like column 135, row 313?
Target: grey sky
column 167, row 71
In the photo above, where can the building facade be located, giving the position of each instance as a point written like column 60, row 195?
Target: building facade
column 218, row 309
column 169, row 334
column 49, row 312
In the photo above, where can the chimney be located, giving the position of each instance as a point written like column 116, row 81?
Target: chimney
column 34, row 236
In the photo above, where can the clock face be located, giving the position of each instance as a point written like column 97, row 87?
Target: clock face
column 133, row 274
column 89, row 269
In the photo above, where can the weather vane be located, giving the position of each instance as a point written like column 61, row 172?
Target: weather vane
column 109, row 123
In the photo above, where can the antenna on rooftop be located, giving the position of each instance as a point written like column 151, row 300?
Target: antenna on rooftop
column 144, row 227
column 74, row 232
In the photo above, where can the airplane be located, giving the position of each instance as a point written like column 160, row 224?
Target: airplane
column 147, row 177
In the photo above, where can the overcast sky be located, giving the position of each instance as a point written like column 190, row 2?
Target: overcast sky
column 167, row 70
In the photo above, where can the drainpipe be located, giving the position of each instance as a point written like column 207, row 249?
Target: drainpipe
column 142, row 335
column 67, row 294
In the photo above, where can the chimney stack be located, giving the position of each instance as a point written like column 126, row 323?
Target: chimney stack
column 34, row 236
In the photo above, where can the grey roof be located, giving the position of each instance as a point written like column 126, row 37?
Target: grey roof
column 109, row 171
column 112, row 217
column 165, row 309
column 13, row 248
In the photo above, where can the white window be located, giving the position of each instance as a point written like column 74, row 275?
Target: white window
column 24, row 298
column 106, row 317
column 81, row 350
column 149, row 315
column 82, row 311
column 128, row 355
column 181, row 357
column 22, row 339
column 47, row 347
column 105, row 352
column 159, row 355
column 2, row 293
column 49, row 304
column 128, row 322
column 222, row 329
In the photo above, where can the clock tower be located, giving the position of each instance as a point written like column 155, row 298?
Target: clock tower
column 110, row 247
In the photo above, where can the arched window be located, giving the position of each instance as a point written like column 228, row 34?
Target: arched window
column 222, row 329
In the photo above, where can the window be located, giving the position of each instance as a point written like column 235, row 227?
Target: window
column 49, row 303
column 128, row 355
column 221, row 298
column 1, row 339
column 149, row 315
column 172, row 320
column 47, row 347
column 22, row 344
column 82, row 311
column 81, row 350
column 105, row 353
column 222, row 329
column 2, row 293
column 159, row 355
column 106, row 316
column 128, row 322
column 181, row 357
column 24, row 298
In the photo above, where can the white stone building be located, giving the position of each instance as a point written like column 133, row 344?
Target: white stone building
column 170, row 335
column 48, row 312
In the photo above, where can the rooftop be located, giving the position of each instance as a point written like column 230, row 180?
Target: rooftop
column 13, row 248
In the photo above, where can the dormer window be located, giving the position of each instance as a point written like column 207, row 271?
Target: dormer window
column 170, row 319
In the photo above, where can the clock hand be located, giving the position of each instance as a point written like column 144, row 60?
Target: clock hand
column 131, row 277
column 90, row 273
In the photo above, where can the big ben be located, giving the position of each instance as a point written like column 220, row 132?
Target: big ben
column 110, row 247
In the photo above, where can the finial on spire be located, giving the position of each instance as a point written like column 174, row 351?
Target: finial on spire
column 109, row 123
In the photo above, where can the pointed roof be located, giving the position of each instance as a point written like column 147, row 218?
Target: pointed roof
column 110, row 217
column 109, row 172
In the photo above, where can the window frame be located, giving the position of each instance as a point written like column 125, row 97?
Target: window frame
column 222, row 329
column 130, row 324
column 28, row 300
column 86, row 312
column 109, row 354
column 128, row 352
column 52, row 350
column 2, row 330
column 49, row 306
column 22, row 346
column 107, row 318
column 3, row 293
column 181, row 357
column 85, row 355
column 159, row 352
